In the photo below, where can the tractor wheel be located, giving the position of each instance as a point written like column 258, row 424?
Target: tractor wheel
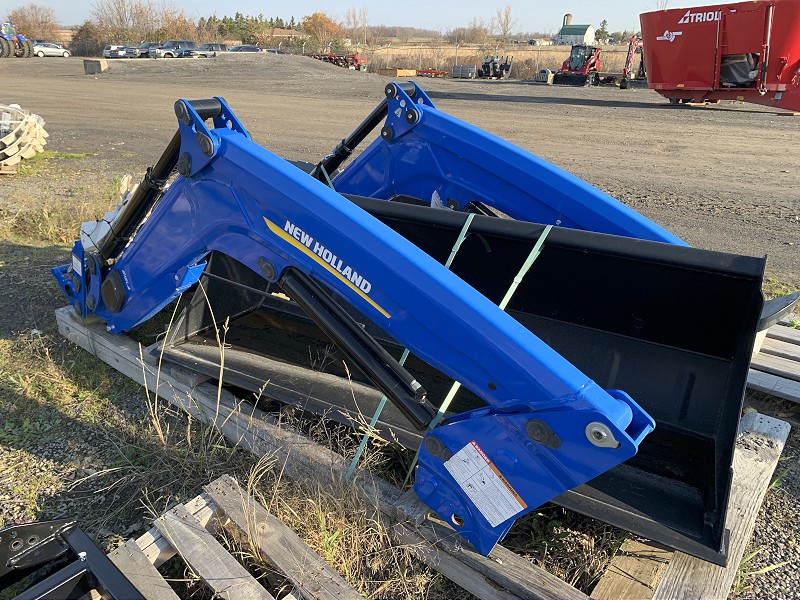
column 5, row 48
column 623, row 84
column 27, row 49
column 18, row 49
column 674, row 100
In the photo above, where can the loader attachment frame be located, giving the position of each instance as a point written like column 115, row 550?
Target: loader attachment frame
column 326, row 277
column 235, row 198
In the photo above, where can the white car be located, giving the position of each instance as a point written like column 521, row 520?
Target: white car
column 47, row 49
column 114, row 52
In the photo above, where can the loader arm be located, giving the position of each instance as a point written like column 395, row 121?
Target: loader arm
column 456, row 165
column 546, row 426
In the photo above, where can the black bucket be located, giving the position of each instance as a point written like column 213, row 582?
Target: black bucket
column 672, row 326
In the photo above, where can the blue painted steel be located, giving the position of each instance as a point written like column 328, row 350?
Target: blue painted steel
column 253, row 206
column 442, row 160
column 507, row 462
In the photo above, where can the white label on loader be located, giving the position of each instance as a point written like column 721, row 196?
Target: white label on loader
column 77, row 267
column 483, row 483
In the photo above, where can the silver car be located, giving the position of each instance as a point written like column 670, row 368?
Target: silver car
column 47, row 49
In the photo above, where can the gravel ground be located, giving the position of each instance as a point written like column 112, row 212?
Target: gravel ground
column 722, row 178
column 776, row 538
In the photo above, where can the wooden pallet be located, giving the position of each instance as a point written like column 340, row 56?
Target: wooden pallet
column 502, row 575
column 775, row 368
column 188, row 531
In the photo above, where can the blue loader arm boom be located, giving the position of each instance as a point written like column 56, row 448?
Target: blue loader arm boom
column 546, row 426
column 425, row 153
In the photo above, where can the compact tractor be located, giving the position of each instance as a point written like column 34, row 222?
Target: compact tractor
column 443, row 258
column 495, row 68
column 13, row 43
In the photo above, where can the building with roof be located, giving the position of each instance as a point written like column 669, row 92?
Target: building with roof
column 572, row 34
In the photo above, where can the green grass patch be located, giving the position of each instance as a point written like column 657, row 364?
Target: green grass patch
column 774, row 288
column 41, row 161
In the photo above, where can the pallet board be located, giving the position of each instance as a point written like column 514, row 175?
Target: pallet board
column 503, row 574
column 208, row 558
column 188, row 530
column 775, row 368
column 759, row 444
column 278, row 544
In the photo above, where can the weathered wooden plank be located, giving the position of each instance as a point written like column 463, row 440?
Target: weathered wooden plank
column 758, row 447
column 777, row 365
column 312, row 577
column 784, row 333
column 634, row 572
column 257, row 432
column 783, row 349
column 208, row 558
column 774, row 385
column 140, row 571
column 157, row 549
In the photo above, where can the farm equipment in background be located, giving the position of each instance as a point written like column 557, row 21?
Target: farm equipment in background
column 350, row 61
column 324, row 276
column 582, row 65
column 495, row 68
column 747, row 51
column 634, row 77
column 13, row 44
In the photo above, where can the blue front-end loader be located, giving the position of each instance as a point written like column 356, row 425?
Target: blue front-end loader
column 579, row 330
column 13, row 44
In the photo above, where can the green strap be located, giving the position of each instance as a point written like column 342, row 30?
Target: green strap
column 328, row 179
column 535, row 252
column 368, row 433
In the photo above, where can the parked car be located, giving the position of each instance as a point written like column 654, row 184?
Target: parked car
column 48, row 49
column 171, row 49
column 276, row 51
column 114, row 51
column 244, row 48
column 203, row 51
column 141, row 50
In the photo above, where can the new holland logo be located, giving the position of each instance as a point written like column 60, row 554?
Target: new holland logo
column 669, row 36
column 700, row 17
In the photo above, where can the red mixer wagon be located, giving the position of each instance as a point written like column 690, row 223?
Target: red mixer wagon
column 747, row 51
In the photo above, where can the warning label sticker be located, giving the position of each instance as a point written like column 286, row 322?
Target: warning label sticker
column 483, row 483
column 77, row 267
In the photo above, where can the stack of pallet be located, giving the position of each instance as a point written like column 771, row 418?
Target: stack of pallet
column 22, row 135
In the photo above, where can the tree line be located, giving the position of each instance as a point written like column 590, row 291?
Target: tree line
column 129, row 22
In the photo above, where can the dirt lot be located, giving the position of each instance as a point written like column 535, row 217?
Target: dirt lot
column 721, row 178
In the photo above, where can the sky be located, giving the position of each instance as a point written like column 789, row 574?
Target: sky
column 438, row 14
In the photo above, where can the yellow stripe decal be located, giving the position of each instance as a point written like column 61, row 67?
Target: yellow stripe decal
column 307, row 251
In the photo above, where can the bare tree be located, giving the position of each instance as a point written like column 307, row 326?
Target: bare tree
column 126, row 21
column 34, row 21
column 476, row 33
column 503, row 22
column 351, row 24
column 356, row 24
